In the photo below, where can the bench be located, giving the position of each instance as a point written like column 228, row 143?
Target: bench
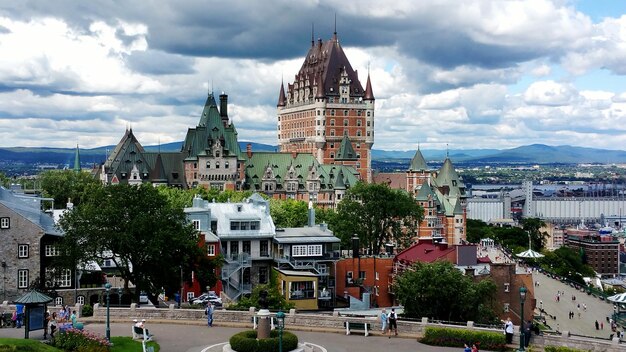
column 353, row 325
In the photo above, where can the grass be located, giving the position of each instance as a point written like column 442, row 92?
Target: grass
column 120, row 344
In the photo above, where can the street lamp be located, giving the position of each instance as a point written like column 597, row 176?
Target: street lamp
column 522, row 298
column 281, row 325
column 107, row 289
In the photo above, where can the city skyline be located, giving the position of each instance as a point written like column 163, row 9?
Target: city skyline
column 481, row 74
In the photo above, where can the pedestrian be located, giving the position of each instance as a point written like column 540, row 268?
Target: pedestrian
column 73, row 319
column 393, row 324
column 19, row 309
column 528, row 332
column 475, row 347
column 466, row 348
column 601, row 325
column 52, row 324
column 383, row 322
column 46, row 319
column 508, row 330
column 597, row 325
column 208, row 311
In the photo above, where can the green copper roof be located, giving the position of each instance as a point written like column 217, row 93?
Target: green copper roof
column 339, row 183
column 346, row 151
column 418, row 163
column 448, row 178
column 424, row 192
column 33, row 297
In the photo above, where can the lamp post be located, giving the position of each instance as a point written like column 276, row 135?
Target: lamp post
column 107, row 289
column 522, row 298
column 119, row 295
column 281, row 325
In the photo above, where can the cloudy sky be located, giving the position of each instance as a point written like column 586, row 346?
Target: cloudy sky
column 471, row 74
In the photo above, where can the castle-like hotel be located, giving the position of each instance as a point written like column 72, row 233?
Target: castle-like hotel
column 325, row 136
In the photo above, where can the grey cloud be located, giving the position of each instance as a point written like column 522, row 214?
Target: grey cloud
column 156, row 62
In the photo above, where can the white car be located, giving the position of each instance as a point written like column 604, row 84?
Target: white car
column 143, row 298
column 207, row 297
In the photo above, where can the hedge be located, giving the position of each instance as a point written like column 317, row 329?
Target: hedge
column 487, row 340
column 562, row 349
column 246, row 341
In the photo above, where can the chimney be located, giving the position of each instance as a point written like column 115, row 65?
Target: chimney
column 249, row 150
column 311, row 214
column 294, row 154
column 223, row 106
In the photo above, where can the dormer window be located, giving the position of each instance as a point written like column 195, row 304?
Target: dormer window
column 208, row 164
column 217, row 164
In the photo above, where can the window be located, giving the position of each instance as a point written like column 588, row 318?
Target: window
column 208, row 164
column 210, row 249
column 264, row 249
column 345, row 122
column 506, row 307
column 80, row 300
column 358, row 122
column 226, row 164
column 298, row 251
column 217, row 164
column 263, row 275
column 246, row 247
column 332, row 122
column 22, row 251
column 234, row 247
column 51, row 251
column 65, row 279
column 190, row 296
column 22, row 278
column 362, row 275
column 5, row 223
column 58, row 301
column 314, row 250
column 254, row 225
column 506, row 287
column 345, row 113
column 196, row 224
column 349, row 277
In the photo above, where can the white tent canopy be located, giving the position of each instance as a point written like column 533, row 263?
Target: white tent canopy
column 619, row 298
column 530, row 254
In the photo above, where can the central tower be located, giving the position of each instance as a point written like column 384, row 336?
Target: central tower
column 325, row 110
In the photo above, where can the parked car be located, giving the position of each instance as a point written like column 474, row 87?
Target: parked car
column 207, row 297
column 143, row 297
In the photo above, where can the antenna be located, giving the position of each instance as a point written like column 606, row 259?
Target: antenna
column 312, row 33
column 447, row 152
column 335, row 24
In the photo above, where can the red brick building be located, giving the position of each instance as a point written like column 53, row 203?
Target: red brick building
column 366, row 274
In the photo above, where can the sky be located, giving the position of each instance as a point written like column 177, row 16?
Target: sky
column 470, row 74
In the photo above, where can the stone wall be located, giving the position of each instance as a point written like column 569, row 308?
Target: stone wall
column 335, row 323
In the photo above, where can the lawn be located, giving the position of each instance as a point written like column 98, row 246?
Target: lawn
column 120, row 344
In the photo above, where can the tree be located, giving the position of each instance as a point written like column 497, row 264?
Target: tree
column 147, row 238
column 377, row 214
column 440, row 291
column 289, row 213
column 64, row 185
column 532, row 227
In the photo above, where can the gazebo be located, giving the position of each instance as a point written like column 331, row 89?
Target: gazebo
column 34, row 309
column 529, row 253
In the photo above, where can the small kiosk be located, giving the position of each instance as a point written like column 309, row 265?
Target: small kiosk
column 34, row 309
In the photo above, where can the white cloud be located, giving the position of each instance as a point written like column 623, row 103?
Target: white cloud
column 550, row 93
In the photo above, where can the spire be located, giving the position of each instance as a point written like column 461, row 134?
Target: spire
column 312, row 34
column 335, row 32
column 281, row 95
column 369, row 95
column 418, row 163
column 77, row 159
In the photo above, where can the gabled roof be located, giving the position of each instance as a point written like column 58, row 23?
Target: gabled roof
column 126, row 153
column 30, row 209
column 424, row 251
column 424, row 193
column 418, row 163
column 346, row 151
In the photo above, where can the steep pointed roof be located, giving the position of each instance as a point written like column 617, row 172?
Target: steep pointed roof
column 126, row 153
column 418, row 163
column 158, row 171
column 448, row 178
column 281, row 95
column 77, row 160
column 424, row 193
column 369, row 94
column 210, row 103
column 328, row 60
column 339, row 182
column 346, row 151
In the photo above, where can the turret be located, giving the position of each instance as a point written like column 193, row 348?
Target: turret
column 369, row 94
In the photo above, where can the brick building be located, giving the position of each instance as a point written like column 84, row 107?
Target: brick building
column 371, row 274
column 508, row 284
column 325, row 103
column 600, row 252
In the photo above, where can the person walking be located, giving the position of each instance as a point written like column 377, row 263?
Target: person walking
column 466, row 348
column 209, row 313
column 383, row 321
column 508, row 330
column 597, row 325
column 46, row 320
column 528, row 329
column 393, row 322
column 19, row 309
column 52, row 324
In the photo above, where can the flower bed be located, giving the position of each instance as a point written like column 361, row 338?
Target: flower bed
column 246, row 341
column 73, row 340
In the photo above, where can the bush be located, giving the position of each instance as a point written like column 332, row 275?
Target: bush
column 487, row 340
column 562, row 349
column 87, row 310
column 246, row 341
column 73, row 340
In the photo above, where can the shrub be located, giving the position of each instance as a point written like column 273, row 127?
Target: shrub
column 246, row 341
column 87, row 310
column 562, row 349
column 73, row 340
column 488, row 340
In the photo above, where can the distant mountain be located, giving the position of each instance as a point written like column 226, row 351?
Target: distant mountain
column 535, row 153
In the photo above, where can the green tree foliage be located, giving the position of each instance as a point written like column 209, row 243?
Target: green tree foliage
column 148, row 239
column 566, row 262
column 274, row 299
column 182, row 198
column 377, row 214
column 64, row 185
column 532, row 227
column 438, row 290
column 289, row 213
column 514, row 238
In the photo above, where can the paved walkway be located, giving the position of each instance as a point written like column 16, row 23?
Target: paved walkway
column 585, row 324
column 199, row 338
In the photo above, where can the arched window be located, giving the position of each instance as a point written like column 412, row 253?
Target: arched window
column 208, row 164
column 226, row 164
column 217, row 164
